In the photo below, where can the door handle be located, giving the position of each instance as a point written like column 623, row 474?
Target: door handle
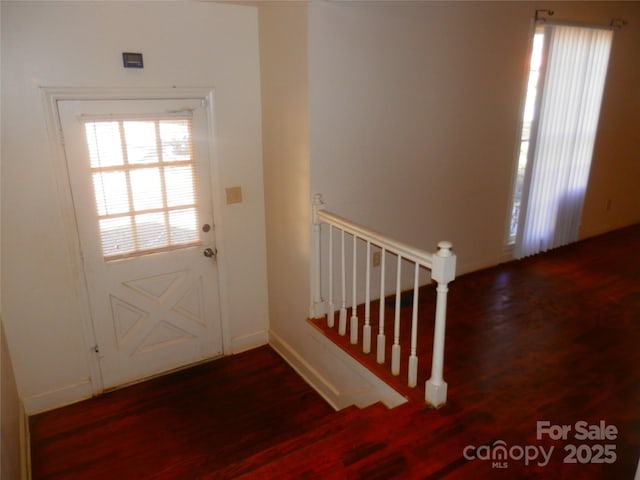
column 211, row 253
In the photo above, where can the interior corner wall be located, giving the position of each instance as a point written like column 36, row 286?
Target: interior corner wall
column 415, row 111
column 10, row 415
column 284, row 69
column 613, row 196
column 79, row 44
column 283, row 63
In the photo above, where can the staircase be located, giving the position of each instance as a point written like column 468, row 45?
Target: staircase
column 352, row 266
column 425, row 307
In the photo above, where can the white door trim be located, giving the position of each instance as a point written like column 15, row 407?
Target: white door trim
column 50, row 98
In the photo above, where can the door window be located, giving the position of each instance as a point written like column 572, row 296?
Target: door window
column 144, row 184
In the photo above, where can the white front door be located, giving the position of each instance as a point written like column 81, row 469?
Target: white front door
column 140, row 180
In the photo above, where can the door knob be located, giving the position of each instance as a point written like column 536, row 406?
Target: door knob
column 211, row 253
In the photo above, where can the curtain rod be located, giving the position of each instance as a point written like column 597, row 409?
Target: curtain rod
column 542, row 16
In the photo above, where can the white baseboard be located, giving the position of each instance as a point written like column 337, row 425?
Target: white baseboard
column 363, row 389
column 247, row 342
column 306, row 371
column 58, row 398
column 81, row 391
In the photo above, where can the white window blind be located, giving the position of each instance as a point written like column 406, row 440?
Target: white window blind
column 563, row 137
column 143, row 175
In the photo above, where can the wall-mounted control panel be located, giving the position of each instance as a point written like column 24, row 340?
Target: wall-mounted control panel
column 132, row 60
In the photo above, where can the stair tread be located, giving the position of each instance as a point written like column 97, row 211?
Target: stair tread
column 383, row 372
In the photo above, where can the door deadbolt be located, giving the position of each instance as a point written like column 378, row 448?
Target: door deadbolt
column 206, row 227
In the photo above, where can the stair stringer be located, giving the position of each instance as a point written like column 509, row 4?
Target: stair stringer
column 341, row 380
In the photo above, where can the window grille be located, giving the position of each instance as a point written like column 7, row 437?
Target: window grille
column 143, row 174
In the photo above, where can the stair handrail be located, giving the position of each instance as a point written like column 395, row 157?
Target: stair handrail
column 442, row 265
column 407, row 251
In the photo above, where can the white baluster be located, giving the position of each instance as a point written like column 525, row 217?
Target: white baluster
column 353, row 331
column 395, row 349
column 381, row 337
column 366, row 330
column 316, row 309
column 413, row 358
column 331, row 312
column 342, row 323
column 443, row 271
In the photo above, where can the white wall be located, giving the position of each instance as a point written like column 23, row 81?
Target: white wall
column 414, row 118
column 79, row 44
column 10, row 416
column 285, row 110
column 10, row 409
column 283, row 41
column 613, row 196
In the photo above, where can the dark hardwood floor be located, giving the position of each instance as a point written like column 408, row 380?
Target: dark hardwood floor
column 195, row 420
column 550, row 338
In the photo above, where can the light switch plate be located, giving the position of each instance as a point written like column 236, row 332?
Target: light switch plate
column 234, row 195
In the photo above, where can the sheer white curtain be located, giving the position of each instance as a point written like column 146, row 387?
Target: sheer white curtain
column 563, row 137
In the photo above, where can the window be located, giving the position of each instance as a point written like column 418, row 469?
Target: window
column 567, row 76
column 525, row 136
column 144, row 184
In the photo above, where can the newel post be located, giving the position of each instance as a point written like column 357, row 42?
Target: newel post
column 443, row 271
column 317, row 305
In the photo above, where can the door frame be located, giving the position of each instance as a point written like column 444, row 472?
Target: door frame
column 50, row 98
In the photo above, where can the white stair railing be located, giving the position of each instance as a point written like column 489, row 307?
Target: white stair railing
column 442, row 265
